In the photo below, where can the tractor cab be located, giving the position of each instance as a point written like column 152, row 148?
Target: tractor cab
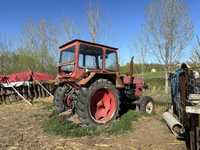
column 78, row 57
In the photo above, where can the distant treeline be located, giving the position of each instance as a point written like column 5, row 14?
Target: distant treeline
column 34, row 50
column 41, row 60
column 143, row 68
column 23, row 60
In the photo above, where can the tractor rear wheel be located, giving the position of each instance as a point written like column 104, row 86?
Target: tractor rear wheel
column 99, row 103
column 146, row 104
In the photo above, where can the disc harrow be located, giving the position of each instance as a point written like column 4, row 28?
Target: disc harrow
column 25, row 86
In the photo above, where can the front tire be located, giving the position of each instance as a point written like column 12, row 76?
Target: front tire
column 58, row 99
column 147, row 105
column 99, row 103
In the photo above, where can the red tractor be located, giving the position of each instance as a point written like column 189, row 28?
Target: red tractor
column 90, row 85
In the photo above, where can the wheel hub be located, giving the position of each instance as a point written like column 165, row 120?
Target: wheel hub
column 149, row 107
column 103, row 106
column 68, row 101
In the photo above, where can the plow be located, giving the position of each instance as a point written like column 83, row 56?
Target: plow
column 25, row 86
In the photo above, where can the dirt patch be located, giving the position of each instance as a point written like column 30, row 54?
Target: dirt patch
column 20, row 128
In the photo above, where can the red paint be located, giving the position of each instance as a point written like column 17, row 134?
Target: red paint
column 68, row 101
column 20, row 76
column 86, row 43
column 77, row 73
column 42, row 76
column 139, row 82
column 127, row 80
column 103, row 106
column 26, row 76
column 3, row 79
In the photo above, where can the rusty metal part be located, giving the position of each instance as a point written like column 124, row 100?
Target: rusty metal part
column 87, row 79
column 26, row 92
column 175, row 126
column 186, row 104
column 131, row 66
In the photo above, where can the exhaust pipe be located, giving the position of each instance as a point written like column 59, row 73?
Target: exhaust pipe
column 131, row 66
column 175, row 126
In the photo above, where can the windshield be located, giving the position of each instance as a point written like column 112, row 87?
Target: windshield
column 67, row 59
column 90, row 57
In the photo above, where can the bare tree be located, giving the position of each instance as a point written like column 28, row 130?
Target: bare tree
column 93, row 18
column 195, row 59
column 70, row 31
column 5, row 51
column 41, row 41
column 170, row 29
column 142, row 47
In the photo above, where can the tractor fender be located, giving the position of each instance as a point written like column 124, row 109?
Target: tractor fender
column 84, row 81
column 139, row 82
column 96, row 75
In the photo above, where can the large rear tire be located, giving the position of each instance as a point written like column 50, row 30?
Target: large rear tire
column 99, row 103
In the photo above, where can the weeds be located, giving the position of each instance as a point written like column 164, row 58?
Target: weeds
column 68, row 129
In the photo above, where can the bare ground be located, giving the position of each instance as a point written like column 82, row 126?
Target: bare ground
column 20, row 128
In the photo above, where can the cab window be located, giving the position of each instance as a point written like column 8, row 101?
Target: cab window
column 90, row 57
column 111, row 60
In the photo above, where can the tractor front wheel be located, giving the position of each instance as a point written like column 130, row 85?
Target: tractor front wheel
column 146, row 105
column 99, row 103
column 62, row 102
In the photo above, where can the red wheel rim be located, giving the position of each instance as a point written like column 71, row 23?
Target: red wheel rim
column 103, row 106
column 68, row 101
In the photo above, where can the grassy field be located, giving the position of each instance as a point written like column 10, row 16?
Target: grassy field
column 153, row 75
column 155, row 80
column 33, row 127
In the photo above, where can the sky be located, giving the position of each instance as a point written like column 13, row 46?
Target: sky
column 123, row 19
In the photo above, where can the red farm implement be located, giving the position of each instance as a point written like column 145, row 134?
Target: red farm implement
column 26, row 86
column 89, row 83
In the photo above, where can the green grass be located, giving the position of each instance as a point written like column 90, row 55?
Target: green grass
column 153, row 75
column 53, row 126
column 158, row 83
column 154, row 79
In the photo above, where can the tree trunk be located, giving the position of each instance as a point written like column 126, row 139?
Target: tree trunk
column 166, row 82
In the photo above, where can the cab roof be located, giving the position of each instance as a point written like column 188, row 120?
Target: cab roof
column 87, row 42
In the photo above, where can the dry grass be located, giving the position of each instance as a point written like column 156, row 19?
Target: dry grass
column 21, row 128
